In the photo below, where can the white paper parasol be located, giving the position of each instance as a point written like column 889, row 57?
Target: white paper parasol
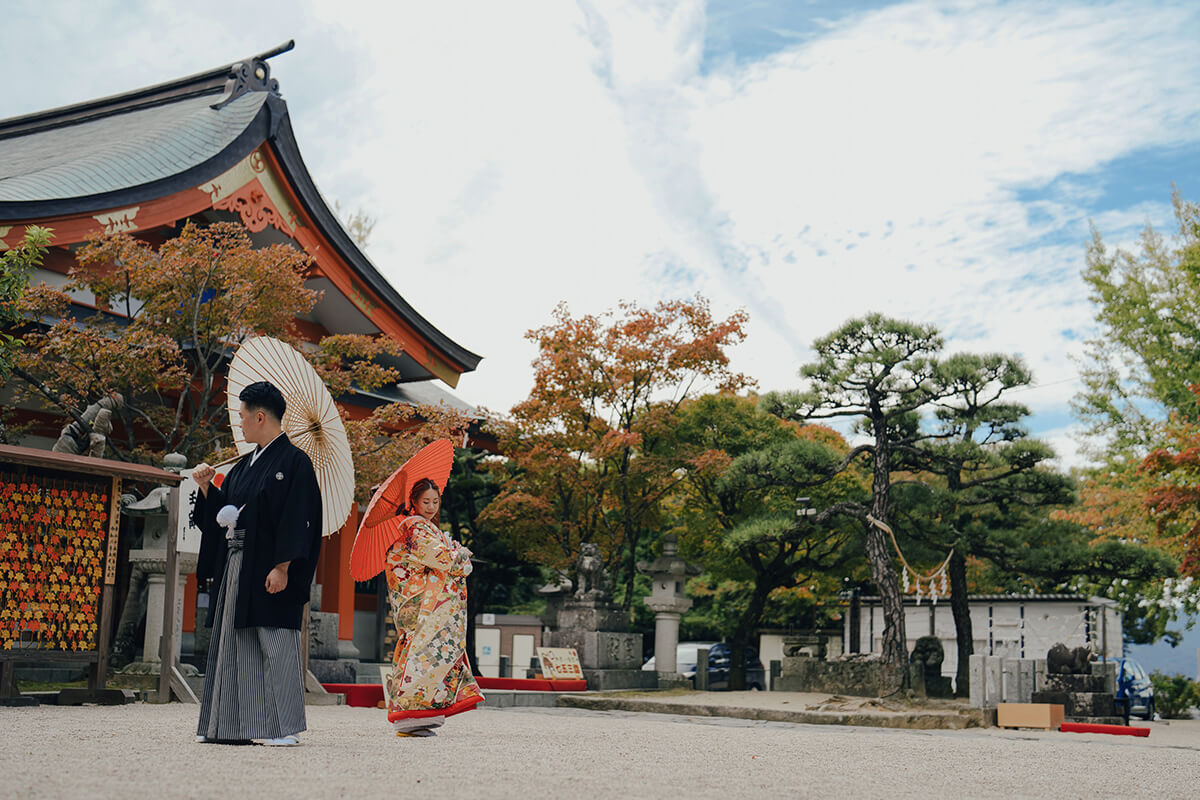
column 312, row 420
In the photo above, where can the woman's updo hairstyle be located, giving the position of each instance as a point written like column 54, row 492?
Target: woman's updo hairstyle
column 419, row 488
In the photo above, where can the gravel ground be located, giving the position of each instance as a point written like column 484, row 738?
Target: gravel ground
column 149, row 751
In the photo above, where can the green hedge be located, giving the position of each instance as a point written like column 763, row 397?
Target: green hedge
column 1174, row 695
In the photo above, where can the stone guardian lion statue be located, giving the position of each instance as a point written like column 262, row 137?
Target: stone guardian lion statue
column 589, row 569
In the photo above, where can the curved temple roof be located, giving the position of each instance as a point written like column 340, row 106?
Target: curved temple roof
column 174, row 136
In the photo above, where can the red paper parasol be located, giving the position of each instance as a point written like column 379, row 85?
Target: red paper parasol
column 380, row 527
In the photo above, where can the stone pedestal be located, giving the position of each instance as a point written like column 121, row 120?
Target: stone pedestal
column 602, row 649
column 1082, row 696
column 154, row 563
column 330, row 659
column 591, row 615
column 611, row 657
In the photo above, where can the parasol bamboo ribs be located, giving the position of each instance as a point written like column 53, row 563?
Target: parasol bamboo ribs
column 310, row 429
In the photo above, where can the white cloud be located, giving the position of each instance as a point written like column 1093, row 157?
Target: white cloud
column 580, row 154
column 516, row 155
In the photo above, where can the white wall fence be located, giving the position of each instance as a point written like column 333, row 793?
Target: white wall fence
column 1012, row 627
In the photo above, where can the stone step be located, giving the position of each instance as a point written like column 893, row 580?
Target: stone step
column 600, row 680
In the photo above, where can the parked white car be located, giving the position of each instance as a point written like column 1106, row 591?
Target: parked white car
column 685, row 658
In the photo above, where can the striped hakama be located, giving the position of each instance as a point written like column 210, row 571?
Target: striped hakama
column 254, row 681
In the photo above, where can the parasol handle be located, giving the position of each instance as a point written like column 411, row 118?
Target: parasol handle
column 240, row 456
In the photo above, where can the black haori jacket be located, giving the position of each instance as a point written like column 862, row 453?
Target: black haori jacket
column 282, row 520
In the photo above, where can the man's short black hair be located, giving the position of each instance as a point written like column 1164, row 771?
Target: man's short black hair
column 263, row 396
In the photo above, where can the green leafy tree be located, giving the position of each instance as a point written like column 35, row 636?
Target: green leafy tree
column 16, row 266
column 1137, row 369
column 1175, row 695
column 975, row 474
column 881, row 372
column 738, row 509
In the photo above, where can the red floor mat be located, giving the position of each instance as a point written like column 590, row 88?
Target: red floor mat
column 370, row 695
column 1087, row 727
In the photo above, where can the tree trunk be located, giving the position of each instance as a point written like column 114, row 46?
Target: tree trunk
column 630, row 576
column 742, row 633
column 963, row 635
column 883, row 573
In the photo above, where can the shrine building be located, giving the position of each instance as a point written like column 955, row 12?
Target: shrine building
column 217, row 146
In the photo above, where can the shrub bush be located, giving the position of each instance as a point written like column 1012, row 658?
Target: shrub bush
column 1174, row 695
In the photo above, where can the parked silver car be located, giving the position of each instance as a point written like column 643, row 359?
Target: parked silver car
column 718, row 665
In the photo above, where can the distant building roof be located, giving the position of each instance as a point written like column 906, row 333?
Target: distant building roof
column 79, row 166
column 910, row 600
column 151, row 143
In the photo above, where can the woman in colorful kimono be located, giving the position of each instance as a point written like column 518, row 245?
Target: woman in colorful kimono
column 427, row 588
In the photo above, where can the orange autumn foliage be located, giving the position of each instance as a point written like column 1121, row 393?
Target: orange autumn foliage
column 587, row 454
column 1174, row 496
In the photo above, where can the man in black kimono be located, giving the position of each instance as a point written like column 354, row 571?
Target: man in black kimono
column 261, row 539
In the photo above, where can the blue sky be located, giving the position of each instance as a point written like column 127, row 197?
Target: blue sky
column 808, row 161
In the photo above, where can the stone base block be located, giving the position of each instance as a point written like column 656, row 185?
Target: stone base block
column 1079, row 704
column 938, row 687
column 673, row 681
column 339, row 670
column 323, row 635
column 592, row 615
column 602, row 680
column 521, row 699
column 859, row 677
column 602, row 649
column 1074, row 683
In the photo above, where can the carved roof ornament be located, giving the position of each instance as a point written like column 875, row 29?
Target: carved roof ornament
column 252, row 75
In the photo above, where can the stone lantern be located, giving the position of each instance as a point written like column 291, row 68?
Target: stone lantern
column 148, row 578
column 669, row 574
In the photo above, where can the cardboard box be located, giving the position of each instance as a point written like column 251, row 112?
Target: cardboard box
column 1047, row 716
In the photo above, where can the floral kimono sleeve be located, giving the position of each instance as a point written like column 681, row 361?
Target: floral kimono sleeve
column 462, row 566
column 428, row 548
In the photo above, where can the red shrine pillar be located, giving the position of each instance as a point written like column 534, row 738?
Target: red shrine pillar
column 333, row 572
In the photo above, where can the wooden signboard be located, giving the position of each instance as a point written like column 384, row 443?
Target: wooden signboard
column 59, row 528
column 560, row 663
column 57, row 553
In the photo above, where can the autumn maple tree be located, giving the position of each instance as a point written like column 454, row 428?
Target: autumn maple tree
column 16, row 267
column 169, row 319
column 587, row 451
column 1174, row 494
